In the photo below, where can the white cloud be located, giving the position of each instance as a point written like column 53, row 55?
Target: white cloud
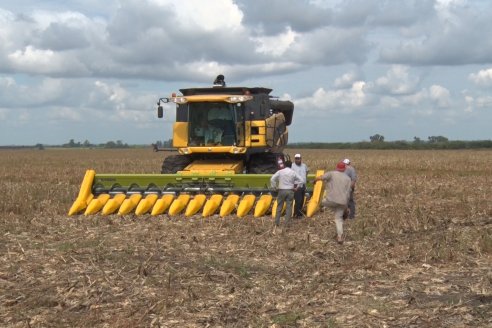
column 479, row 102
column 330, row 46
column 33, row 57
column 133, row 116
column 416, row 99
column 482, row 78
column 44, row 19
column 390, row 102
column 274, row 16
column 7, row 82
column 451, row 36
column 9, row 27
column 397, row 81
column 426, row 99
column 65, row 114
column 395, row 92
column 445, row 8
column 205, row 15
column 206, row 71
column 346, row 80
column 114, row 93
column 275, row 45
column 38, row 94
column 440, row 95
column 484, row 102
column 345, row 100
column 114, row 102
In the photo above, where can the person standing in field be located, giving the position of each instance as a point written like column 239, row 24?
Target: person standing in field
column 337, row 195
column 350, row 171
column 302, row 170
column 286, row 181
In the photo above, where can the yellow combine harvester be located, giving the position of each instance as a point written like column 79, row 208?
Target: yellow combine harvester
column 230, row 141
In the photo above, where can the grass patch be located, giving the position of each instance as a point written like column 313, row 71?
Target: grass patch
column 231, row 265
column 288, row 319
column 67, row 246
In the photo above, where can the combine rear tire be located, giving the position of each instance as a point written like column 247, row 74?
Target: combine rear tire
column 175, row 163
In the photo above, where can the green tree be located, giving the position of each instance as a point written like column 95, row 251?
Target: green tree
column 434, row 139
column 377, row 138
column 110, row 144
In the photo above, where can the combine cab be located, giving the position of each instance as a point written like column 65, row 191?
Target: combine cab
column 230, row 141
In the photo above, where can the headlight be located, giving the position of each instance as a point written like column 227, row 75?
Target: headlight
column 239, row 98
column 179, row 100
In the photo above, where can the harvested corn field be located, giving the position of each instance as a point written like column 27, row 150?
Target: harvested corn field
column 419, row 253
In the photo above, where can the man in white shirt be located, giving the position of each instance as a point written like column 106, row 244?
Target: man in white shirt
column 286, row 181
column 302, row 170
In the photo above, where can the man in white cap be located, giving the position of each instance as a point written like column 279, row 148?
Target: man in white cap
column 302, row 170
column 350, row 171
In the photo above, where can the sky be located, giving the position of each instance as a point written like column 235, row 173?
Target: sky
column 93, row 70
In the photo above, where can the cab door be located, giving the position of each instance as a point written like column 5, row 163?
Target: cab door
column 239, row 120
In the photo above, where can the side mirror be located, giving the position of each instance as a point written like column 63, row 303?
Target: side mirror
column 160, row 112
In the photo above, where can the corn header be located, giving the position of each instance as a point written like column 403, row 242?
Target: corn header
column 229, row 142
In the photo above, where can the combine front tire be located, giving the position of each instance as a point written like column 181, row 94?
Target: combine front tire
column 175, row 163
column 263, row 164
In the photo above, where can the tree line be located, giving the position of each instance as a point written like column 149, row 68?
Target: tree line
column 377, row 141
column 87, row 144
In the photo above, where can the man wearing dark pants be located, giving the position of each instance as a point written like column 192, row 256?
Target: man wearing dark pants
column 286, row 181
column 302, row 170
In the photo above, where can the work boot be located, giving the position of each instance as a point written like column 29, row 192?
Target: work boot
column 340, row 240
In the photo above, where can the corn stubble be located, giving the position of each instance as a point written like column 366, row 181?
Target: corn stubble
column 418, row 254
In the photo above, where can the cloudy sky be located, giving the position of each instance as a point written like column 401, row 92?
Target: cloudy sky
column 93, row 70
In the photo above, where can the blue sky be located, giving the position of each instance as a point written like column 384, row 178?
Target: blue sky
column 93, row 70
